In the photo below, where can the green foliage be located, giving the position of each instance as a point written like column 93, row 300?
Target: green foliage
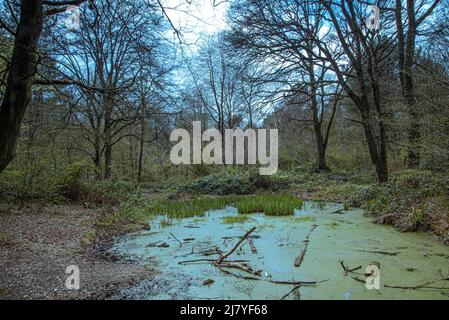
column 236, row 219
column 411, row 200
column 276, row 205
column 115, row 220
column 69, row 183
column 189, row 208
column 223, row 183
column 77, row 184
column 272, row 205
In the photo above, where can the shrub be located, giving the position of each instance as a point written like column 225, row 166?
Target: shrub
column 76, row 184
column 223, row 183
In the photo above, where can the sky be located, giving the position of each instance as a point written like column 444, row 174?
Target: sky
column 198, row 18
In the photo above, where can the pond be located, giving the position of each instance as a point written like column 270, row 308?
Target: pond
column 322, row 239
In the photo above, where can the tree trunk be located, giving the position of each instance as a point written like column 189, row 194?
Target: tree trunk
column 108, row 137
column 414, row 133
column 22, row 68
column 414, row 130
column 142, row 136
column 107, row 160
column 321, row 149
column 406, row 55
column 97, row 157
column 378, row 159
column 319, row 141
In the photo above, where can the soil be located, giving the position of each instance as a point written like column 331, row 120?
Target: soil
column 38, row 243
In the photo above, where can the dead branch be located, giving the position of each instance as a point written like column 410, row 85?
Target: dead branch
column 281, row 282
column 252, row 246
column 426, row 285
column 291, row 291
column 300, row 257
column 381, row 252
column 347, row 269
column 180, row 242
column 208, row 260
column 303, row 283
column 240, row 267
column 220, row 260
column 238, row 275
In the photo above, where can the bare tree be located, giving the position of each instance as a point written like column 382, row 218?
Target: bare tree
column 281, row 36
column 408, row 25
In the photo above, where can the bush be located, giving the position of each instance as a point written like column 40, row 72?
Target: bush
column 76, row 184
column 238, row 182
column 223, row 183
column 69, row 183
column 412, row 200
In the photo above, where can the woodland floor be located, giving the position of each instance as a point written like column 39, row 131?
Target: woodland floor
column 36, row 246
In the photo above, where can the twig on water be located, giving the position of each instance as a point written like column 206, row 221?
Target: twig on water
column 207, row 260
column 180, row 242
column 291, row 291
column 347, row 269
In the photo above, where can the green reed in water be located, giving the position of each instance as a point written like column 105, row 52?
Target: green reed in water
column 273, row 205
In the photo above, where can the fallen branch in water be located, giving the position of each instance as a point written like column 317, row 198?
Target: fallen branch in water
column 381, row 252
column 291, row 291
column 208, row 260
column 426, row 285
column 300, row 258
column 252, row 246
column 246, row 235
column 180, row 242
column 347, row 269
column 281, row 282
column 303, row 283
column 238, row 275
column 239, row 266
column 359, row 280
column 417, row 287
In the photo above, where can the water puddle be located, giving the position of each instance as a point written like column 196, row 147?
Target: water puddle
column 329, row 234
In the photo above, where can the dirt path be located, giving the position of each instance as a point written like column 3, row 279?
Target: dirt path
column 36, row 246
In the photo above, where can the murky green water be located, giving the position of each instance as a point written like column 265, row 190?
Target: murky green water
column 406, row 259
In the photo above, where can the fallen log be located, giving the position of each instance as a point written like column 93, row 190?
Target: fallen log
column 299, row 259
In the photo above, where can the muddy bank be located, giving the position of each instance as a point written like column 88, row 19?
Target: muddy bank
column 323, row 248
column 37, row 244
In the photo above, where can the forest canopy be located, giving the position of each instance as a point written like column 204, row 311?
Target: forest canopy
column 350, row 85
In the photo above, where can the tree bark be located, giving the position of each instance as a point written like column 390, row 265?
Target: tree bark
column 108, row 105
column 142, row 136
column 406, row 55
column 22, row 68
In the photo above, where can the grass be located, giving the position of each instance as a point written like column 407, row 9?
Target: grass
column 236, row 219
column 272, row 205
column 190, row 208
